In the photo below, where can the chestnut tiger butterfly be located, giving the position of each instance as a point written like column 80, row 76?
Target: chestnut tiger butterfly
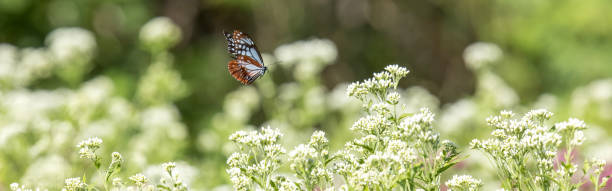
column 248, row 64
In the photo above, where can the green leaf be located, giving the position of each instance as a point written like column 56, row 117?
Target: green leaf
column 417, row 184
column 273, row 185
column 256, row 181
column 552, row 179
column 450, row 164
column 364, row 146
column 404, row 116
column 330, row 159
column 445, row 167
column 160, row 186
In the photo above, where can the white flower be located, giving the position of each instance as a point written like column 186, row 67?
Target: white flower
column 594, row 98
column 457, row 116
column 239, row 104
column 161, row 84
column 495, row 90
column 8, row 58
column 288, row 186
column 91, row 94
column 74, row 184
column 93, row 142
column 393, row 98
column 47, row 171
column 14, row 186
column 356, row 89
column 318, row 50
column 139, row 179
column 318, row 139
column 337, row 99
column 382, row 108
column 419, row 125
column 578, row 138
column 34, row 64
column 238, row 179
column 506, row 113
column 547, row 101
column 572, row 124
column 538, row 114
column 464, row 182
column 416, row 97
column 163, row 118
column 307, row 69
column 66, row 44
column 237, row 160
column 529, row 139
column 397, row 71
column 479, row 54
column 371, row 123
column 116, row 157
column 160, row 33
column 269, row 135
column 169, row 166
column 597, row 165
column 301, row 153
column 117, row 182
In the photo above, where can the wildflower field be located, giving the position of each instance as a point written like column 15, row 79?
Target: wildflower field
column 355, row 95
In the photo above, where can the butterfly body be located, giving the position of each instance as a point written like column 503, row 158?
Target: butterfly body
column 248, row 64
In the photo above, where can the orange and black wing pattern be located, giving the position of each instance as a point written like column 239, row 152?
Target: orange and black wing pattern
column 248, row 64
column 245, row 69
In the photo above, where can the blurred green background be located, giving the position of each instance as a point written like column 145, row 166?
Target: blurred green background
column 556, row 54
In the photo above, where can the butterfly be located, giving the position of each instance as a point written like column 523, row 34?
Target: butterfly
column 247, row 65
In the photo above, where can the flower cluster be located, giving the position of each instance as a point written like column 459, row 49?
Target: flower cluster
column 596, row 166
column 72, row 50
column 161, row 83
column 67, row 43
column 259, row 158
column 113, row 168
column 47, row 118
column 67, row 54
column 517, row 142
column 480, row 54
column 139, row 179
column 463, row 182
column 173, row 182
column 397, row 149
column 16, row 187
column 160, row 34
column 74, row 184
column 21, row 67
column 309, row 162
column 309, row 57
column 593, row 100
column 87, row 150
column 378, row 85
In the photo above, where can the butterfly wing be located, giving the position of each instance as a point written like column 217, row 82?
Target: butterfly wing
column 245, row 69
column 248, row 64
column 239, row 43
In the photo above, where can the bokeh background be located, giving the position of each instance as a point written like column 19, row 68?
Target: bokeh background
column 150, row 77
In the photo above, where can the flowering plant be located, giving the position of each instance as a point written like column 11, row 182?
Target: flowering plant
column 395, row 149
column 527, row 152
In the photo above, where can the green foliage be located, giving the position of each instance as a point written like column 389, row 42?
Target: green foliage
column 156, row 89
